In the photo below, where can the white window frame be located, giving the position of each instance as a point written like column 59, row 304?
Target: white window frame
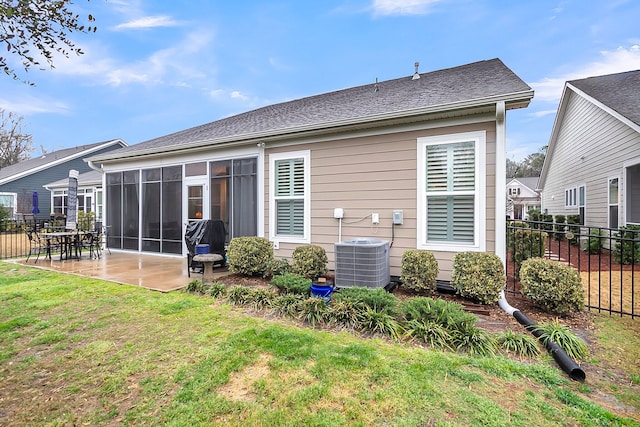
column 572, row 196
column 479, row 242
column 609, row 204
column 623, row 191
column 14, row 196
column 290, row 155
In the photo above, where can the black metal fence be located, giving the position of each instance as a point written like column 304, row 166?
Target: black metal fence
column 608, row 260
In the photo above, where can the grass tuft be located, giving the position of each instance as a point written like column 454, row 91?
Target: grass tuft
column 573, row 345
column 522, row 345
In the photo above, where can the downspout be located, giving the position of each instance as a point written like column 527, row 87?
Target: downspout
column 563, row 360
column 501, row 183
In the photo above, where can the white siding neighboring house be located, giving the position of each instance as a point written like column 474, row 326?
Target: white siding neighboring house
column 522, row 196
column 430, row 145
column 592, row 167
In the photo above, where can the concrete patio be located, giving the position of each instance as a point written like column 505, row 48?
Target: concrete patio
column 158, row 273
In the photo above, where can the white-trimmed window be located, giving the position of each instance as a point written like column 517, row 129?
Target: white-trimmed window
column 8, row 201
column 613, row 192
column 289, row 193
column 451, row 192
column 632, row 192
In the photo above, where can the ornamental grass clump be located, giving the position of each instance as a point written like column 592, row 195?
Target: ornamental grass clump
column 556, row 332
column 314, row 311
column 478, row 276
column 309, row 261
column 291, row 283
column 249, row 256
column 376, row 299
column 522, row 345
column 419, row 270
column 287, row 304
column 556, row 287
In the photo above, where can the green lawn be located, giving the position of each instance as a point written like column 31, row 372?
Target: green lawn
column 78, row 351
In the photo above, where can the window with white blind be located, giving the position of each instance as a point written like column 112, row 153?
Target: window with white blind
column 451, row 192
column 289, row 212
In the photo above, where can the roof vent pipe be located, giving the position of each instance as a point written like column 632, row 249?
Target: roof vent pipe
column 416, row 75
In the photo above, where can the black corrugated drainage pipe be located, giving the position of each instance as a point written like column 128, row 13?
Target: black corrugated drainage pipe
column 566, row 363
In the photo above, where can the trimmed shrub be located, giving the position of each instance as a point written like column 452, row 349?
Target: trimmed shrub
column 627, row 247
column 525, row 243
column 559, row 227
column 309, row 261
column 547, row 225
column 375, row 299
column 534, row 214
column 573, row 222
column 419, row 271
column 249, row 256
column 292, row 284
column 556, row 287
column 595, row 241
column 277, row 267
column 478, row 276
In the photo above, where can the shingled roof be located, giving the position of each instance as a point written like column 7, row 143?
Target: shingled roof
column 459, row 87
column 620, row 92
column 44, row 161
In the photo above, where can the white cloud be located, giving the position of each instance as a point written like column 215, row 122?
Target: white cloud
column 610, row 62
column 402, row 7
column 542, row 113
column 28, row 105
column 148, row 22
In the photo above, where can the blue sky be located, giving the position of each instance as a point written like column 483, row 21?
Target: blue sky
column 156, row 67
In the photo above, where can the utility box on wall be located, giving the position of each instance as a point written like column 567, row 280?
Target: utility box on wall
column 362, row 262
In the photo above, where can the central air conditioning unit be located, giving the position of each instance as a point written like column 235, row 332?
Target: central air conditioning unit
column 362, row 262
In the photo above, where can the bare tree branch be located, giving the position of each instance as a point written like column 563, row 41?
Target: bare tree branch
column 15, row 145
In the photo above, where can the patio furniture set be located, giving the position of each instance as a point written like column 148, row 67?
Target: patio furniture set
column 68, row 243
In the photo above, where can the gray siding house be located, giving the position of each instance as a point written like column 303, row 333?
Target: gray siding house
column 522, row 196
column 430, row 145
column 592, row 167
column 19, row 181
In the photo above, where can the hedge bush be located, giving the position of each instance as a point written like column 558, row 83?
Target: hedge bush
column 478, row 276
column 559, row 227
column 291, row 283
column 525, row 243
column 249, row 256
column 419, row 271
column 556, row 287
column 573, row 222
column 627, row 247
column 309, row 261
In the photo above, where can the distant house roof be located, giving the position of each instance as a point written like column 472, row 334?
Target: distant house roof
column 84, row 179
column 36, row 164
column 465, row 87
column 620, row 92
column 531, row 182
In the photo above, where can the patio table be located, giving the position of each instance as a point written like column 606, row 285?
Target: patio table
column 69, row 240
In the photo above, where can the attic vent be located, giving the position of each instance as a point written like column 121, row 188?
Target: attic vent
column 416, row 75
column 363, row 263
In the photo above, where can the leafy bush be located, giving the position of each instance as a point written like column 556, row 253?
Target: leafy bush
column 287, row 304
column 309, row 261
column 376, row 299
column 627, row 247
column 525, row 243
column 595, row 241
column 430, row 332
column 292, row 284
column 380, row 322
column 547, row 222
column 523, row 345
column 239, row 295
column 448, row 314
column 419, row 271
column 249, row 255
column 556, row 287
column 534, row 214
column 314, row 311
column 277, row 267
column 554, row 331
column 559, row 227
column 478, row 276
column 197, row 287
column 217, row 290
column 573, row 222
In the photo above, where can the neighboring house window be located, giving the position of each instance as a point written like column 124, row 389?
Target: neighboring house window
column 60, row 202
column 289, row 206
column 613, row 202
column 451, row 192
column 514, row 191
column 8, row 201
column 632, row 193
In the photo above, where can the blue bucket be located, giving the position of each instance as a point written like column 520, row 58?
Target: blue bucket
column 321, row 291
column 202, row 249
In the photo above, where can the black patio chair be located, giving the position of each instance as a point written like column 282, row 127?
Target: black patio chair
column 208, row 231
column 37, row 244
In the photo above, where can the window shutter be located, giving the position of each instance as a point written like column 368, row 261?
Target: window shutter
column 451, row 179
column 289, row 192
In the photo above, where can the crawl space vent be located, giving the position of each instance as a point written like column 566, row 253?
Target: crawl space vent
column 362, row 262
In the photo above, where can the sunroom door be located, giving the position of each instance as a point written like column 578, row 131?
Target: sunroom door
column 197, row 200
